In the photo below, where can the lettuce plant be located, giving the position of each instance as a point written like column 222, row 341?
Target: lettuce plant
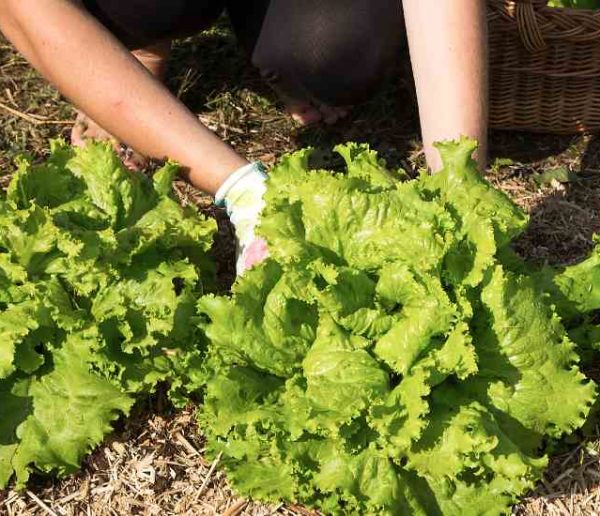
column 100, row 271
column 392, row 356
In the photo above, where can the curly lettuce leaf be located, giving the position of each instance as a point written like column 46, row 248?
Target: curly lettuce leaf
column 69, row 411
column 489, row 220
column 530, row 360
column 361, row 223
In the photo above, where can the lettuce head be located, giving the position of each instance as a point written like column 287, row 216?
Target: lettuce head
column 100, row 271
column 391, row 356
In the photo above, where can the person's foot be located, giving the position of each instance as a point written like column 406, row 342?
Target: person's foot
column 154, row 58
column 307, row 114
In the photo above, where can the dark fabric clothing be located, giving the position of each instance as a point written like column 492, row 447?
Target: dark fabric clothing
column 138, row 23
column 329, row 51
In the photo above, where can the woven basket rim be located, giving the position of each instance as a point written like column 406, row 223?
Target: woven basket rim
column 545, row 68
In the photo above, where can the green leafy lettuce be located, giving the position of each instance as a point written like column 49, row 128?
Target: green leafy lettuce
column 575, row 292
column 391, row 356
column 574, row 4
column 100, row 271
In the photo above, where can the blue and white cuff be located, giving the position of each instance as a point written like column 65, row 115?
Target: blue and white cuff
column 251, row 168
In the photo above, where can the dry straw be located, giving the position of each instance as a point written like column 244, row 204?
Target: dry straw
column 545, row 67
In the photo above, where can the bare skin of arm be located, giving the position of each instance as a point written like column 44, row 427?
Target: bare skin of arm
column 447, row 41
column 131, row 104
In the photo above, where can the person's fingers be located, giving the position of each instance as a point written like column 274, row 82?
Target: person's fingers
column 77, row 132
column 132, row 160
column 86, row 129
column 136, row 163
column 255, row 253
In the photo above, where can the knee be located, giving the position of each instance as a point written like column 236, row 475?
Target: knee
column 341, row 74
column 337, row 56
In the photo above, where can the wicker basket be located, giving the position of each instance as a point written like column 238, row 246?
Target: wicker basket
column 545, row 67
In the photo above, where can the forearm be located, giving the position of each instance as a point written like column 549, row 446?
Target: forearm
column 448, row 42
column 91, row 68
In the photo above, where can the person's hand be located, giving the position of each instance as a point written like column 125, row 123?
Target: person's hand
column 252, row 254
column 242, row 195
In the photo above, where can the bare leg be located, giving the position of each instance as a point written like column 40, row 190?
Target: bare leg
column 447, row 41
column 154, row 59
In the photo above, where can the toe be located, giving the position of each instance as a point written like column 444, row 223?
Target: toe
column 333, row 114
column 307, row 114
column 304, row 114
